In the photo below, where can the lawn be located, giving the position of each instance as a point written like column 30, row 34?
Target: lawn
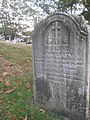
column 16, row 84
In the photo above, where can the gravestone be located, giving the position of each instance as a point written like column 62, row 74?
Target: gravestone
column 60, row 65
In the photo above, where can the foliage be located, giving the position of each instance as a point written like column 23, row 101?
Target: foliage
column 46, row 5
column 67, row 6
column 22, row 14
column 50, row 6
column 16, row 14
column 86, row 11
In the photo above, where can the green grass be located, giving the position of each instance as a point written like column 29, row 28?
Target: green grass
column 16, row 69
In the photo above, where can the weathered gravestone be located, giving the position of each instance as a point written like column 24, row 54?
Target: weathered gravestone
column 60, row 63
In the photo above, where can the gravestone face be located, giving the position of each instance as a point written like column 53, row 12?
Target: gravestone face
column 60, row 64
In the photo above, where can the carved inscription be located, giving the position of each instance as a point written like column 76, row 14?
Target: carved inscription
column 59, row 66
column 54, row 34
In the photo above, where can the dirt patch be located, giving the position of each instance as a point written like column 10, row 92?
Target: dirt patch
column 9, row 68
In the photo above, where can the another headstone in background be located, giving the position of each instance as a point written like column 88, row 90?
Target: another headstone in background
column 60, row 64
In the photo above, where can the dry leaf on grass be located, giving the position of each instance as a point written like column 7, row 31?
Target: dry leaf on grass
column 1, row 55
column 27, row 85
column 14, row 117
column 7, row 83
column 30, row 68
column 28, row 61
column 9, row 91
column 1, row 102
column 5, row 73
column 1, row 80
column 24, row 118
column 1, row 91
column 41, row 110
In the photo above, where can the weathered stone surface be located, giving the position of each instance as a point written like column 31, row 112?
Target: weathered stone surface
column 60, row 64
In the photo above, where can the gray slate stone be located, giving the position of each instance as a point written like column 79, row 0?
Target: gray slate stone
column 61, row 65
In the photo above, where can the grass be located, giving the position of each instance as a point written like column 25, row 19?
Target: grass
column 16, row 85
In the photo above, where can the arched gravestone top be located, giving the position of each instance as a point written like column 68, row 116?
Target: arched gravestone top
column 60, row 65
column 78, row 22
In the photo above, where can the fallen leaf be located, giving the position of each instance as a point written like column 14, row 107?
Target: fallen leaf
column 30, row 68
column 24, row 118
column 7, row 83
column 14, row 117
column 10, row 65
column 28, row 61
column 5, row 73
column 14, row 87
column 27, row 85
column 9, row 91
column 1, row 80
column 1, row 102
column 41, row 110
column 1, row 91
column 1, row 54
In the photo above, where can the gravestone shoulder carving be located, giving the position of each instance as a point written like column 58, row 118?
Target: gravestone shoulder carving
column 60, row 65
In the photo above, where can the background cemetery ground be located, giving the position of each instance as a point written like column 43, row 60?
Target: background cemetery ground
column 16, row 84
